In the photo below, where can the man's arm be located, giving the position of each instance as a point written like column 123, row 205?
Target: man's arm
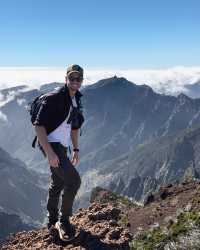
column 74, row 137
column 42, row 137
column 43, row 140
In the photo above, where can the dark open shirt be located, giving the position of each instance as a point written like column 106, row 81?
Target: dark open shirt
column 55, row 108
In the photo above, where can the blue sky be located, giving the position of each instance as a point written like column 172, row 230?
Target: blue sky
column 100, row 34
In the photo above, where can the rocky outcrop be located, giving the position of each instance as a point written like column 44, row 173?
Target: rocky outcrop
column 169, row 219
column 98, row 226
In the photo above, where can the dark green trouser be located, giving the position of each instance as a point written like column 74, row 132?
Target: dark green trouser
column 66, row 178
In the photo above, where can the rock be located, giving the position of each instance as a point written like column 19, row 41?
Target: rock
column 164, row 193
column 188, row 208
column 148, row 199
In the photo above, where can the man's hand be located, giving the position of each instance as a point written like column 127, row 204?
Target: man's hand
column 53, row 159
column 75, row 158
column 51, row 155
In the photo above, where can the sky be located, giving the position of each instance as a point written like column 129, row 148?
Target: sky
column 106, row 34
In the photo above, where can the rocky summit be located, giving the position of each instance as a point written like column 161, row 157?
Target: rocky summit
column 99, row 227
column 168, row 219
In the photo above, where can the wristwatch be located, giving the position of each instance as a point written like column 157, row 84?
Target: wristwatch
column 76, row 149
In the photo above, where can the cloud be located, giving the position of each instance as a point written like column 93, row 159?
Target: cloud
column 21, row 101
column 6, row 98
column 31, row 76
column 11, row 95
column 170, row 80
column 3, row 117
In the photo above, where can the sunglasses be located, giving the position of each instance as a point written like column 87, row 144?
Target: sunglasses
column 77, row 79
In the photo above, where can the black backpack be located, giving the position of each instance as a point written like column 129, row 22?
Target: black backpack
column 34, row 106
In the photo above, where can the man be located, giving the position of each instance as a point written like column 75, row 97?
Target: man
column 54, row 133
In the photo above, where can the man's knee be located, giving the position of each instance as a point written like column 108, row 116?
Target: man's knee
column 55, row 188
column 72, row 179
column 75, row 176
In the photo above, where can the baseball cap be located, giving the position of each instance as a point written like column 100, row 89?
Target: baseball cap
column 75, row 68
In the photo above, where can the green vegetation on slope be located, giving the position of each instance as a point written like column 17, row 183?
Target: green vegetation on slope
column 158, row 237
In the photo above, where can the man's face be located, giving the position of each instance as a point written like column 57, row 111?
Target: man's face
column 74, row 81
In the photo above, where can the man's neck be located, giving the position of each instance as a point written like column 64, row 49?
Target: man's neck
column 71, row 92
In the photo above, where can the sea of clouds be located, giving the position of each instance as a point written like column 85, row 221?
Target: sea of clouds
column 171, row 80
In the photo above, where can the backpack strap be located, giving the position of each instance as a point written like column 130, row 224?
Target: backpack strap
column 79, row 106
column 34, row 141
column 70, row 150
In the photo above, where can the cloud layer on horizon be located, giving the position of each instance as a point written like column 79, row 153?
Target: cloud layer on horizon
column 171, row 80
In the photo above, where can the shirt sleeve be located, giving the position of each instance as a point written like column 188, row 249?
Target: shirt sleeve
column 43, row 113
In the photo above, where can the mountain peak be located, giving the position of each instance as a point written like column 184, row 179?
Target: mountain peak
column 182, row 99
column 182, row 95
column 112, row 82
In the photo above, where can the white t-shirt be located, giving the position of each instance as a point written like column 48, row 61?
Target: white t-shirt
column 62, row 133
